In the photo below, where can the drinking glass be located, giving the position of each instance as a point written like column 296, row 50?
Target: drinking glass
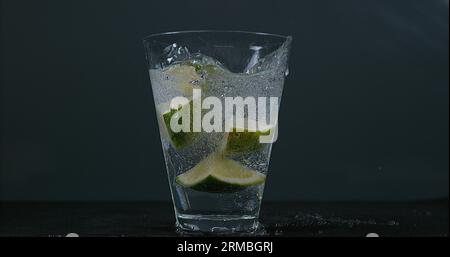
column 217, row 163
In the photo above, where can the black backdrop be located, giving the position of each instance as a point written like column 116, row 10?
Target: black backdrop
column 364, row 114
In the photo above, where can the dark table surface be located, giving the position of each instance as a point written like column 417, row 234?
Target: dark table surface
column 426, row 218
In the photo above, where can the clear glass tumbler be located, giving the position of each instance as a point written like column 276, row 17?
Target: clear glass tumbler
column 216, row 95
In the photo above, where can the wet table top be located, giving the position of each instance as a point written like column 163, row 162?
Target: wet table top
column 427, row 218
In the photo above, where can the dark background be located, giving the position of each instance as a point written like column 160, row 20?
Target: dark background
column 364, row 113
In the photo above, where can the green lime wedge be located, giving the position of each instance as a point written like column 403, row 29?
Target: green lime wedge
column 206, row 73
column 210, row 69
column 179, row 139
column 186, row 78
column 191, row 75
column 216, row 174
column 244, row 140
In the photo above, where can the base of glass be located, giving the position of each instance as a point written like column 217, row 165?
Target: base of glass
column 217, row 224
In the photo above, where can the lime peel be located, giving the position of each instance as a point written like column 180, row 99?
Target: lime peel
column 178, row 139
column 217, row 174
column 244, row 140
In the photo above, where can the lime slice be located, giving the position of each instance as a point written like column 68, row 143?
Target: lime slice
column 186, row 78
column 207, row 73
column 216, row 174
column 243, row 140
column 178, row 139
column 209, row 69
column 191, row 75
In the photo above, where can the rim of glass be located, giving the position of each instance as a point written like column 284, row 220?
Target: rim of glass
column 215, row 31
